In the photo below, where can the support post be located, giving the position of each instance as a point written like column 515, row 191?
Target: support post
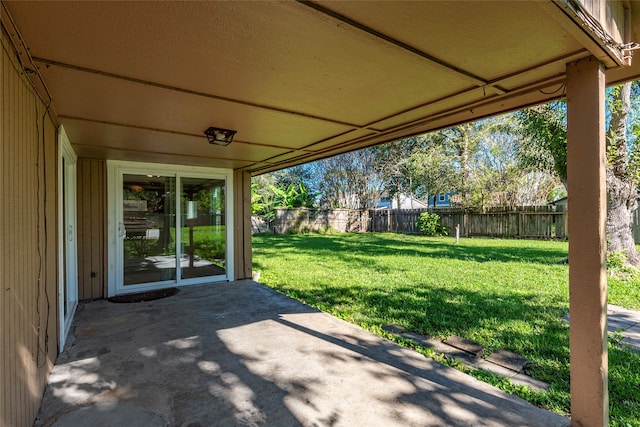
column 242, row 225
column 586, row 178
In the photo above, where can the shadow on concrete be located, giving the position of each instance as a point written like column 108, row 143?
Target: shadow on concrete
column 243, row 354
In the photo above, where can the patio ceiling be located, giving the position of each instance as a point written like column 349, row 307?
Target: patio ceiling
column 298, row 81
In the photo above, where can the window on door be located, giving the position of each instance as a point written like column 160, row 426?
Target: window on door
column 148, row 228
column 173, row 229
column 203, row 227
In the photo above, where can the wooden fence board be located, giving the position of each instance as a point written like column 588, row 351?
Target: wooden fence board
column 537, row 222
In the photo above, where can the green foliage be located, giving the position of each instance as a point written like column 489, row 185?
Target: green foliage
column 394, row 165
column 208, row 242
column 479, row 162
column 544, row 132
column 259, row 206
column 267, row 195
column 351, row 180
column 544, row 138
column 292, row 196
column 327, row 230
column 429, row 225
column 616, row 260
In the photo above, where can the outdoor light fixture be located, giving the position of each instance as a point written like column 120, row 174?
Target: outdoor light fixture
column 219, row 136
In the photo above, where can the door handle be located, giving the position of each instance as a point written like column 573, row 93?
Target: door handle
column 70, row 232
column 122, row 232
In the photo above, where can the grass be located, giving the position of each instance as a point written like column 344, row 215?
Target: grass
column 208, row 241
column 504, row 294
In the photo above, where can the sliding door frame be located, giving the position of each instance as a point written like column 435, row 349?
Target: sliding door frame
column 115, row 171
column 67, row 236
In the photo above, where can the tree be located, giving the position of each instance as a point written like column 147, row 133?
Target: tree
column 545, row 146
column 351, row 180
column 431, row 168
column 292, row 196
column 622, row 182
column 286, row 188
column 478, row 161
column 460, row 143
column 496, row 176
column 394, row 165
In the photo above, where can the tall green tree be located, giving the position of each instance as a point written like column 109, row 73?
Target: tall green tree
column 394, row 165
column 461, row 143
column 351, row 180
column 291, row 187
column 545, row 146
column 478, row 161
column 432, row 168
column 622, row 177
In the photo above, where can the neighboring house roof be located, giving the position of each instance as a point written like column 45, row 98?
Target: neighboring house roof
column 408, row 202
column 560, row 201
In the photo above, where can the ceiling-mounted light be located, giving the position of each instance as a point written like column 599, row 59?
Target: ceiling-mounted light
column 219, row 136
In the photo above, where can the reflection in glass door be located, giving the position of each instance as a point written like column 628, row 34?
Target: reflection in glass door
column 172, row 230
column 202, row 227
column 148, row 228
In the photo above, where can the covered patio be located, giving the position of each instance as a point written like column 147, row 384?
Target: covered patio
column 104, row 111
column 248, row 355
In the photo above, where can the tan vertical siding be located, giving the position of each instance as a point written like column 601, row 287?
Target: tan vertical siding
column 242, row 225
column 28, row 260
column 92, row 224
column 610, row 14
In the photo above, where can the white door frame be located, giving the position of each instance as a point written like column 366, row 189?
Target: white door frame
column 67, row 242
column 115, row 172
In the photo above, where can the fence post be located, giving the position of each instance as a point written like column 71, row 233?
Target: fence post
column 465, row 224
column 520, row 225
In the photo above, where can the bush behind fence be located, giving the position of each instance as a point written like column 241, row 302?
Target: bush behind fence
column 541, row 222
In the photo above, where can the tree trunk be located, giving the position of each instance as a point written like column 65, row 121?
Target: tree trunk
column 622, row 194
column 621, row 203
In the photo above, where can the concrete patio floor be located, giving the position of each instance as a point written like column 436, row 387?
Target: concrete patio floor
column 243, row 354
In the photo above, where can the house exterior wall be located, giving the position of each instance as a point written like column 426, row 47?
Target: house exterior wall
column 407, row 202
column 242, row 225
column 92, row 228
column 610, row 14
column 440, row 200
column 28, row 260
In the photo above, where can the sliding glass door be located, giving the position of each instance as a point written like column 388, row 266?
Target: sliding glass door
column 171, row 229
column 202, row 227
column 148, row 229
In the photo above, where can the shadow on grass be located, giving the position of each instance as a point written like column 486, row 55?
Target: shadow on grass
column 352, row 247
column 527, row 324
column 624, row 383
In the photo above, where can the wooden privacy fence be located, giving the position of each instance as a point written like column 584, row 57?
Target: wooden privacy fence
column 539, row 222
column 536, row 222
column 305, row 219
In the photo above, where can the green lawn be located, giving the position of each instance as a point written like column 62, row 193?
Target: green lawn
column 504, row 294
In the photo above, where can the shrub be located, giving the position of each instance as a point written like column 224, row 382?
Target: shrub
column 430, row 225
column 616, row 260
